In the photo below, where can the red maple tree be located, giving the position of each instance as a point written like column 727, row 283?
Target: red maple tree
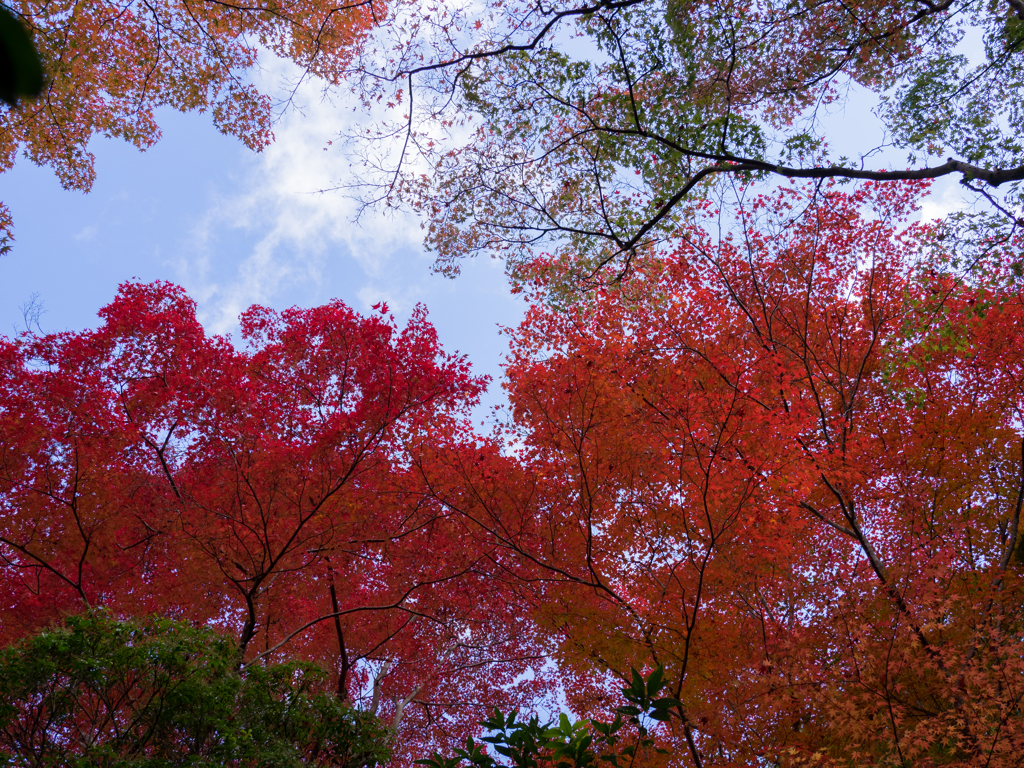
column 266, row 491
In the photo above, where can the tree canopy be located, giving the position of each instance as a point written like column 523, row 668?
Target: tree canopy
column 787, row 467
column 583, row 128
column 783, row 464
column 587, row 128
column 767, row 473
column 267, row 492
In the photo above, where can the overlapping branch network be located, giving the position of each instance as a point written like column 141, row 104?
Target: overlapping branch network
column 586, row 129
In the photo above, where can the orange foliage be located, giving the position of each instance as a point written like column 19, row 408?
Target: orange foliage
column 788, row 466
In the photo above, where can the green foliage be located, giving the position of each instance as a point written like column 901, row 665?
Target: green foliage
column 159, row 693
column 596, row 132
column 567, row 744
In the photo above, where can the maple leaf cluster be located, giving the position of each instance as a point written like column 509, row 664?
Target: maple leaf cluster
column 782, row 466
column 786, row 467
column 270, row 492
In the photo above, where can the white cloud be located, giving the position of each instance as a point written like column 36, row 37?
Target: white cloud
column 290, row 231
column 945, row 197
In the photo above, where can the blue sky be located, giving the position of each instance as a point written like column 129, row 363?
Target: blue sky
column 236, row 228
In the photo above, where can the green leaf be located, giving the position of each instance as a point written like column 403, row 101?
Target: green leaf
column 655, row 681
